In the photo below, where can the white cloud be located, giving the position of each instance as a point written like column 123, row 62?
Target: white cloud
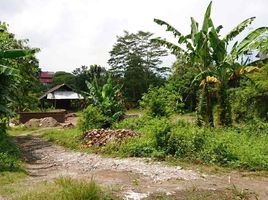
column 72, row 33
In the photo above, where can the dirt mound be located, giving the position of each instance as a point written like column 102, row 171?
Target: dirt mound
column 44, row 122
column 100, row 137
column 48, row 122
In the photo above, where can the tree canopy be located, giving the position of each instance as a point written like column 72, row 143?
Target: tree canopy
column 136, row 62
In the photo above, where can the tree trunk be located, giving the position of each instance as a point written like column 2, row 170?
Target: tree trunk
column 205, row 108
column 224, row 107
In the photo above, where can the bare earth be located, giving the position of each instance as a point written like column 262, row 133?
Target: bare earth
column 135, row 178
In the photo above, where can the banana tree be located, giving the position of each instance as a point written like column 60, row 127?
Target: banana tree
column 208, row 51
column 229, row 65
column 196, row 46
column 107, row 98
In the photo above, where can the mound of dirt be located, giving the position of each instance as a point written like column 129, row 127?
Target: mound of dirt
column 32, row 123
column 100, row 137
column 44, row 122
column 48, row 122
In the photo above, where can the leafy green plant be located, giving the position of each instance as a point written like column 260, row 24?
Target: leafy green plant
column 106, row 105
column 9, row 154
column 161, row 102
column 93, row 118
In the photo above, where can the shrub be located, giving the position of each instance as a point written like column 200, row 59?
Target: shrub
column 9, row 154
column 253, row 127
column 93, row 118
column 185, row 142
column 131, row 123
column 161, row 101
column 158, row 130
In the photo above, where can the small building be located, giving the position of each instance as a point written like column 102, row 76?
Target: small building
column 46, row 77
column 60, row 97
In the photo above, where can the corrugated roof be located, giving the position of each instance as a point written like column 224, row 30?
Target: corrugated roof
column 64, row 95
column 53, row 89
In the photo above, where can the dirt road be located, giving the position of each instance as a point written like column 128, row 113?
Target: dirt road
column 136, row 178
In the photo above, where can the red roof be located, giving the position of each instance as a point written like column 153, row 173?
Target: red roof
column 46, row 77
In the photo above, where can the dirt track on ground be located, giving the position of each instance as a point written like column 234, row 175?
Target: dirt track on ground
column 132, row 176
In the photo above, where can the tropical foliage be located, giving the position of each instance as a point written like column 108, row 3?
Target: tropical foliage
column 13, row 70
column 161, row 101
column 208, row 52
column 106, row 105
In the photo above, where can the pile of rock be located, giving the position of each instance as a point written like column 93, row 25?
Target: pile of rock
column 44, row 122
column 100, row 137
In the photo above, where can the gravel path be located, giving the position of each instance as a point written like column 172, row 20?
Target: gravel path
column 136, row 177
column 49, row 160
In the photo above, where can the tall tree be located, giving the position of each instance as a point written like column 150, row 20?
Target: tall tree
column 136, row 62
column 183, row 73
column 62, row 77
column 85, row 73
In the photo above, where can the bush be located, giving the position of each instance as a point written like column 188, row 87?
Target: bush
column 185, row 142
column 253, row 127
column 161, row 101
column 9, row 154
column 93, row 118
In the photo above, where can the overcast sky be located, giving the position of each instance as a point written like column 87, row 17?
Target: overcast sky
column 71, row 33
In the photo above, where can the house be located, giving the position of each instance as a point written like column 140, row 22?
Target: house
column 46, row 77
column 60, row 97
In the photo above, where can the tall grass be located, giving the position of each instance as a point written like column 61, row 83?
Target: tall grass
column 65, row 189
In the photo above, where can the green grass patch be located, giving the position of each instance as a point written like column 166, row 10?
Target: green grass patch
column 20, row 130
column 9, row 180
column 65, row 189
column 70, row 138
column 138, row 112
